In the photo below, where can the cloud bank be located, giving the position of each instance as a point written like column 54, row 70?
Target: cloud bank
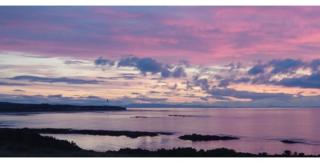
column 53, row 80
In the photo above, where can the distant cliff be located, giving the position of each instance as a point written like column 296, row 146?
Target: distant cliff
column 15, row 107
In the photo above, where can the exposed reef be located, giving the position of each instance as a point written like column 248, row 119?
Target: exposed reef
column 130, row 134
column 292, row 141
column 197, row 137
column 184, row 116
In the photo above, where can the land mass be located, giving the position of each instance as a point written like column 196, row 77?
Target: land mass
column 16, row 107
column 130, row 134
column 23, row 143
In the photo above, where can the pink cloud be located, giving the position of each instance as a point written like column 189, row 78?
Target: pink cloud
column 202, row 35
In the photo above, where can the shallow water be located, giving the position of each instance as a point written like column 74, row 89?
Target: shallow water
column 260, row 130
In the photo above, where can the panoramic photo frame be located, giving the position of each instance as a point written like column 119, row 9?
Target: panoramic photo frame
column 159, row 81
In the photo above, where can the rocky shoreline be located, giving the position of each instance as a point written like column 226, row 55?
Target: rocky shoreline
column 29, row 143
column 130, row 134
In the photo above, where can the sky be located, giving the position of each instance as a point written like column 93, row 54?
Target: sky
column 161, row 56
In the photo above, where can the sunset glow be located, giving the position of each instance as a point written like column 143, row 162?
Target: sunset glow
column 221, row 56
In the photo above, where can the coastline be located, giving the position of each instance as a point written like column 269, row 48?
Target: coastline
column 7, row 107
column 130, row 134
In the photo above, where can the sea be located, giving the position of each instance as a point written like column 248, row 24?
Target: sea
column 259, row 129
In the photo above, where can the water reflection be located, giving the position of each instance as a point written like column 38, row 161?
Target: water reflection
column 260, row 130
column 106, row 143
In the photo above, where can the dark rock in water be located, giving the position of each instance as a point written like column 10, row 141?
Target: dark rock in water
column 287, row 141
column 197, row 137
column 140, row 117
column 178, row 115
column 184, row 116
column 15, row 107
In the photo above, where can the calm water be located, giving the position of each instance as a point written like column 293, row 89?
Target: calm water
column 259, row 129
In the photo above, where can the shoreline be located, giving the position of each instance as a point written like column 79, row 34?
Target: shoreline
column 130, row 134
column 7, row 107
column 29, row 143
